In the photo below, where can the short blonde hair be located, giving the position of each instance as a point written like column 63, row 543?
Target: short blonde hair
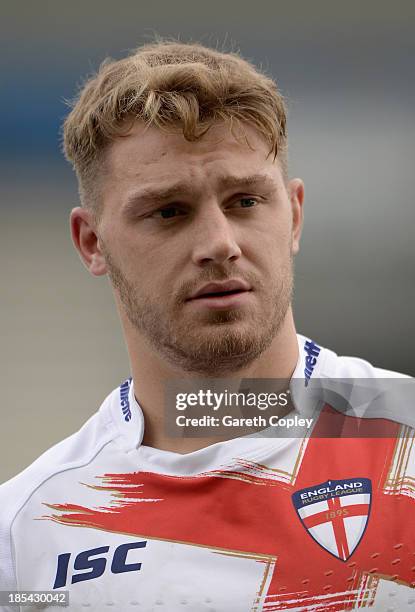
column 169, row 84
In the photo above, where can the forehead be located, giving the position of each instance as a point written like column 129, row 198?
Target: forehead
column 148, row 154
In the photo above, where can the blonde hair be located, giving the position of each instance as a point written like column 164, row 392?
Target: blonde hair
column 169, row 84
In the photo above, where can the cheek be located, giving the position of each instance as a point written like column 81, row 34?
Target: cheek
column 152, row 274
column 269, row 240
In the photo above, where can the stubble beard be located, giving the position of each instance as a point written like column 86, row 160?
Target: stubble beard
column 217, row 343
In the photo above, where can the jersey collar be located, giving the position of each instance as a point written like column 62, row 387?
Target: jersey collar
column 124, row 415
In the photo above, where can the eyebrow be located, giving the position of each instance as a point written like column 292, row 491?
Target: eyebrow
column 161, row 195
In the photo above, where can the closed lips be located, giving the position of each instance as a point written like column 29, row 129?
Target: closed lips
column 221, row 289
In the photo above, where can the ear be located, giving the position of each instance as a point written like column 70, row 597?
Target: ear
column 86, row 241
column 295, row 189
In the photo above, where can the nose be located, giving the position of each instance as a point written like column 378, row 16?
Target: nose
column 214, row 238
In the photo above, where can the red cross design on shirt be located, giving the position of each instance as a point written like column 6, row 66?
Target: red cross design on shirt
column 337, row 521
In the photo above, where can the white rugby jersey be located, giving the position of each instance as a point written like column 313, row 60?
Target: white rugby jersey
column 249, row 524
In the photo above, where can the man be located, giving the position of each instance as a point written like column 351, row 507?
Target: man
column 180, row 153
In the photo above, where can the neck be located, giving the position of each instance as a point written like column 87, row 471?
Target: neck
column 151, row 372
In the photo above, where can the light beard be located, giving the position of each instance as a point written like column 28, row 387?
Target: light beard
column 216, row 343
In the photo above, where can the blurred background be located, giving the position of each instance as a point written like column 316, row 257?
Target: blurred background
column 347, row 71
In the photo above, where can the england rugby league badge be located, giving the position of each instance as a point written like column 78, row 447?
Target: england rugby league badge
column 335, row 513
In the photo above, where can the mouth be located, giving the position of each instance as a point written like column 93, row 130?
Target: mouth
column 230, row 294
column 214, row 294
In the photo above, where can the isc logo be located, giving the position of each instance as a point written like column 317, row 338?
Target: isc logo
column 95, row 560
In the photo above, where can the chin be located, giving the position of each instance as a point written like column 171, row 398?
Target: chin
column 228, row 316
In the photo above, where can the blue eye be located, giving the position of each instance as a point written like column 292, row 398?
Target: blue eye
column 167, row 213
column 247, row 202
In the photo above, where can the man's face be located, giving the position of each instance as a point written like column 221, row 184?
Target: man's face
column 180, row 215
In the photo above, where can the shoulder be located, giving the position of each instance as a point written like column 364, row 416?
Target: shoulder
column 354, row 367
column 353, row 385
column 72, row 452
column 322, row 362
column 75, row 451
